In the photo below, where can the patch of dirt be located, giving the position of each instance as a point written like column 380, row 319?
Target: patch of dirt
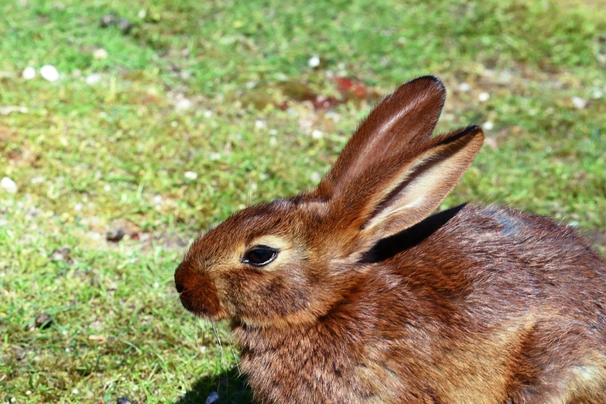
column 282, row 95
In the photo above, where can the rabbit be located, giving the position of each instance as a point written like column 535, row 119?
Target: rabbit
column 354, row 292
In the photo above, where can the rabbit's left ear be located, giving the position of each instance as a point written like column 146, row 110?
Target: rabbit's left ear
column 390, row 203
column 406, row 117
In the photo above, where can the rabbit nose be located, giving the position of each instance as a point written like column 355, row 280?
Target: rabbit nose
column 179, row 287
column 180, row 278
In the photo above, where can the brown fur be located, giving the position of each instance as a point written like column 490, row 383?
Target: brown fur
column 372, row 300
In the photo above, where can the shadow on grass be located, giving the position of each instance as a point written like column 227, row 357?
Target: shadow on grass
column 230, row 386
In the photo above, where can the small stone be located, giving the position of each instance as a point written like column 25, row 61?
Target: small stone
column 28, row 73
column 183, row 105
column 579, row 102
column 100, row 54
column 11, row 109
column 8, row 185
column 114, row 235
column 124, row 400
column 316, row 134
column 483, row 97
column 464, row 87
column 124, row 25
column 190, row 175
column 43, row 320
column 107, row 20
column 212, row 398
column 314, row 61
column 93, row 79
column 488, row 125
column 49, row 73
column 61, row 254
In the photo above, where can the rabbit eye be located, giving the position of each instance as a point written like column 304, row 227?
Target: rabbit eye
column 260, row 255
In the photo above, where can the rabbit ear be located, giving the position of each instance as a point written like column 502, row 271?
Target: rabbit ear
column 407, row 116
column 403, row 190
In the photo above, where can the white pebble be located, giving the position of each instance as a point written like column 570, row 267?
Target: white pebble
column 259, row 124
column 8, row 185
column 483, row 96
column 49, row 73
column 488, row 125
column 28, row 73
column 93, row 79
column 315, row 176
column 316, row 134
column 75, row 391
column 208, row 114
column 314, row 61
column 183, row 104
column 100, row 54
column 579, row 103
column 190, row 175
column 464, row 87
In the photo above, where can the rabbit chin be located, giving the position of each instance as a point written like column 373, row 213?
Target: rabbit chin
column 203, row 307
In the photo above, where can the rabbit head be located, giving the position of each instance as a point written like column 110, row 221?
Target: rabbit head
column 291, row 260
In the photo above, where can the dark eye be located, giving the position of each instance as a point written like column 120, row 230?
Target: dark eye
column 260, row 255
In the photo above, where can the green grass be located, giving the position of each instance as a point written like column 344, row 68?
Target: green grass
column 90, row 158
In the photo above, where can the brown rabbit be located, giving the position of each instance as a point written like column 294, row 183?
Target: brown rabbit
column 353, row 293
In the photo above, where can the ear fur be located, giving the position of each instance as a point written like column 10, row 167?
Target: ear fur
column 419, row 187
column 407, row 116
column 401, row 191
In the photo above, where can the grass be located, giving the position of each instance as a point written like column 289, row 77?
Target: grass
column 202, row 108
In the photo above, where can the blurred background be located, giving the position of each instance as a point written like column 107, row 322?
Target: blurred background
column 127, row 128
